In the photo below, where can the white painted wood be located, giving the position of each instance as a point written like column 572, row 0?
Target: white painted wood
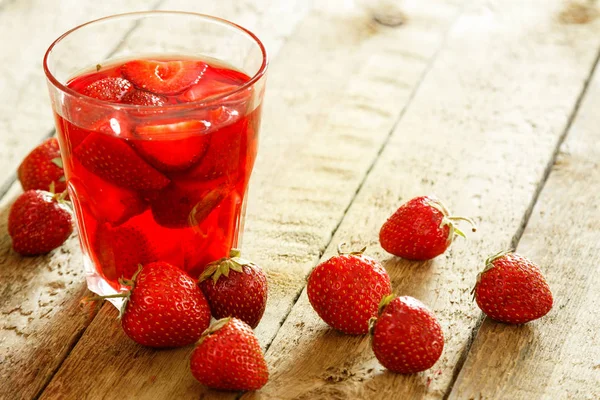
column 479, row 133
column 557, row 356
column 27, row 28
column 40, row 317
column 334, row 91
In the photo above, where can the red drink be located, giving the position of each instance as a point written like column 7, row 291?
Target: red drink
column 163, row 175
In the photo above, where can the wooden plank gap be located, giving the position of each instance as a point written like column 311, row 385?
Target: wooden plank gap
column 8, row 185
column 517, row 237
column 526, row 216
column 70, row 348
column 373, row 162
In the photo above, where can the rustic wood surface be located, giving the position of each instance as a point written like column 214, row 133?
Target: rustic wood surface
column 561, row 353
column 469, row 100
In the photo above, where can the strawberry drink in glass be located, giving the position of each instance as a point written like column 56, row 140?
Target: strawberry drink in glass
column 157, row 115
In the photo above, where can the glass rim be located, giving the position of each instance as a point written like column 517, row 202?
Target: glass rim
column 65, row 89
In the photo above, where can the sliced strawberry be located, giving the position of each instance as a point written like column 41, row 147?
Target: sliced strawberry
column 113, row 160
column 108, row 89
column 231, row 75
column 225, row 154
column 120, row 250
column 171, row 77
column 172, row 147
column 182, row 205
column 143, row 98
column 204, row 244
column 106, row 202
column 207, row 88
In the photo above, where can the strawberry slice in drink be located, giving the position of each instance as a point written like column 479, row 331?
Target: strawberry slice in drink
column 163, row 77
column 114, row 160
column 120, row 250
column 106, row 202
column 143, row 98
column 205, row 89
column 108, row 89
column 224, row 156
column 174, row 146
column 187, row 204
column 213, row 237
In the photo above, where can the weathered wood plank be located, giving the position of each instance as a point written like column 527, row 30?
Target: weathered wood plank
column 558, row 356
column 28, row 28
column 40, row 318
column 39, row 315
column 480, row 133
column 335, row 90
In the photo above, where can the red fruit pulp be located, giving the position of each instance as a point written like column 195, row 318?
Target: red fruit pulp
column 152, row 183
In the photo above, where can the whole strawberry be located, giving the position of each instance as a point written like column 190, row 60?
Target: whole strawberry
column 346, row 290
column 229, row 357
column 236, row 288
column 420, row 229
column 164, row 307
column 41, row 167
column 39, row 222
column 512, row 289
column 407, row 338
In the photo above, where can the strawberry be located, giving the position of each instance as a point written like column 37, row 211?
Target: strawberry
column 108, row 89
column 73, row 135
column 236, row 288
column 183, row 204
column 226, row 74
column 203, row 244
column 346, row 290
column 420, row 229
column 512, row 289
column 164, row 307
column 143, row 98
column 407, row 337
column 205, row 89
column 39, row 222
column 228, row 356
column 163, row 77
column 42, row 167
column 172, row 147
column 107, row 202
column 120, row 250
column 113, row 160
column 224, row 155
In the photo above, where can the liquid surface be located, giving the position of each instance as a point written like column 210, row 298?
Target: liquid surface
column 151, row 183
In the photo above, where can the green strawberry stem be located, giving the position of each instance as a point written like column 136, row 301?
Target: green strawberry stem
column 489, row 264
column 214, row 328
column 384, row 302
column 469, row 220
column 126, row 295
column 341, row 252
column 489, row 261
column 58, row 162
column 450, row 220
column 224, row 265
column 121, row 295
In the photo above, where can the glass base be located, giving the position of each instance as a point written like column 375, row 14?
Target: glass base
column 97, row 284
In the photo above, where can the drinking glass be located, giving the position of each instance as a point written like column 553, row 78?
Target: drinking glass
column 156, row 183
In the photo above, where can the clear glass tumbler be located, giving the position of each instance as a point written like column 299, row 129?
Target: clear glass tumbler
column 158, row 169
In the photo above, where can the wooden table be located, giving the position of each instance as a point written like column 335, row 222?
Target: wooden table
column 491, row 105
